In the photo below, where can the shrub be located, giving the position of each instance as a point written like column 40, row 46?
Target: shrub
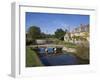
column 82, row 51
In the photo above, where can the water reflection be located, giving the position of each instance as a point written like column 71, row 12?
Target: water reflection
column 63, row 59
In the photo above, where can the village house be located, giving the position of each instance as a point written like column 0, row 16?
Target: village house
column 78, row 34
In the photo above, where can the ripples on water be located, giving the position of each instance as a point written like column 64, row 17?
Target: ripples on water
column 52, row 60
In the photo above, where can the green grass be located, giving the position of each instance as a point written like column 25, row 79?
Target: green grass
column 32, row 58
column 70, row 45
column 66, row 44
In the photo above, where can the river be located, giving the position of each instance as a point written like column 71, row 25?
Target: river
column 63, row 58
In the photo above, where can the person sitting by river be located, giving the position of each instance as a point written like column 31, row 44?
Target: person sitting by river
column 55, row 50
column 46, row 50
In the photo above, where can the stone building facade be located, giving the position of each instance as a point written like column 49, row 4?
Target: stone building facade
column 79, row 33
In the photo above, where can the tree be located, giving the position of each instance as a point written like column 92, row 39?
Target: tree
column 34, row 32
column 28, row 39
column 43, row 35
column 59, row 33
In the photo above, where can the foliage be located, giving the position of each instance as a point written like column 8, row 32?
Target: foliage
column 59, row 33
column 34, row 32
column 82, row 50
column 29, row 40
column 70, row 45
column 43, row 35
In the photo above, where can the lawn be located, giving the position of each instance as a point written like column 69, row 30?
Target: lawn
column 66, row 44
column 32, row 58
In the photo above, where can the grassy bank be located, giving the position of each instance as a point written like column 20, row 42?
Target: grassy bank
column 32, row 58
column 66, row 44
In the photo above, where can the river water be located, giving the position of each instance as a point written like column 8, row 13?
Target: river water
column 63, row 58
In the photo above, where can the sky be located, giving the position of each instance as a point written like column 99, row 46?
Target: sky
column 50, row 22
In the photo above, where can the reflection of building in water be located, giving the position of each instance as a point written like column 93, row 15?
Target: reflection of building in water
column 80, row 33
